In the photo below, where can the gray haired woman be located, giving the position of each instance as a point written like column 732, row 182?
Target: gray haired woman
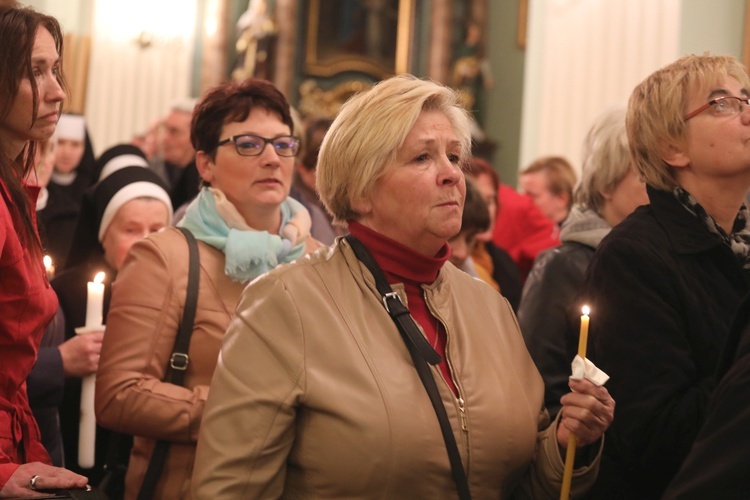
column 608, row 192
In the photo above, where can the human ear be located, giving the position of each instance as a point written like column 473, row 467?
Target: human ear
column 674, row 156
column 205, row 166
column 361, row 204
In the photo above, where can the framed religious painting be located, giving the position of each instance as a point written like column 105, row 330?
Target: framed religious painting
column 367, row 36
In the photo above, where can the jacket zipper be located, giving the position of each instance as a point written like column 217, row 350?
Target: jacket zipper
column 462, row 408
column 459, row 400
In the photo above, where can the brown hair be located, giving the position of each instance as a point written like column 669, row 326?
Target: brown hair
column 232, row 102
column 479, row 166
column 476, row 216
column 18, row 28
column 313, row 140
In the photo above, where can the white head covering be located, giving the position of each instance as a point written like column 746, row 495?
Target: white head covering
column 71, row 127
column 124, row 176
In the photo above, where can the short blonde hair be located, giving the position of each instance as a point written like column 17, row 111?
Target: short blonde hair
column 368, row 132
column 561, row 178
column 657, row 106
column 606, row 158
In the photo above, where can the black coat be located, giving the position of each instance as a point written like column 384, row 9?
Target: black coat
column 185, row 183
column 57, row 223
column 663, row 291
column 548, row 305
column 506, row 274
column 718, row 465
column 45, row 387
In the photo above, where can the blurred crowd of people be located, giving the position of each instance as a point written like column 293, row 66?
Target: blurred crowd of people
column 360, row 307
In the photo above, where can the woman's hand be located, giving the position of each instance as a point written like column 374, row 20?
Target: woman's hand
column 47, row 478
column 80, row 354
column 586, row 412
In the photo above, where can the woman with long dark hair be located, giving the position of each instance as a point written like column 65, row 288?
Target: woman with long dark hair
column 31, row 92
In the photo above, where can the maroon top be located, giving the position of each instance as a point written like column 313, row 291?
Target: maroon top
column 401, row 264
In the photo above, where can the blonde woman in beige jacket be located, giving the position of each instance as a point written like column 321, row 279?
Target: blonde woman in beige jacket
column 245, row 225
column 316, row 394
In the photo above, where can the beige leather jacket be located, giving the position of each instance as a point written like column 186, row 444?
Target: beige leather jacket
column 315, row 394
column 147, row 302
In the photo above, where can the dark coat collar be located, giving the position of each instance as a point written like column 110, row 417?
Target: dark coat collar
column 687, row 234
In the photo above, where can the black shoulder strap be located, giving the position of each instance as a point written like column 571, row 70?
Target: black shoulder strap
column 394, row 306
column 421, row 353
column 178, row 362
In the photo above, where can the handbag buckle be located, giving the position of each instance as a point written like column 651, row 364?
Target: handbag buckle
column 179, row 361
column 390, row 295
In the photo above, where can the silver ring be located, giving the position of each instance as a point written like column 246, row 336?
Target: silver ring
column 32, row 481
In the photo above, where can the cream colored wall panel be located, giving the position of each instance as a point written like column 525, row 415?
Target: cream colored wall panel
column 582, row 57
column 141, row 61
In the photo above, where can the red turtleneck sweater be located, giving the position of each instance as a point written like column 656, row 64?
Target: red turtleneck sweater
column 401, row 264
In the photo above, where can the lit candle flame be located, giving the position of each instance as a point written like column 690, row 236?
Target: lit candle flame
column 99, row 277
column 47, row 261
column 585, row 310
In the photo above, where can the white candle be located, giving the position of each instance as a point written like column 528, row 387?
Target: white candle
column 95, row 301
column 87, row 425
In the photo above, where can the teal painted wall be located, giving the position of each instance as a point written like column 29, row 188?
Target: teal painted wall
column 504, row 99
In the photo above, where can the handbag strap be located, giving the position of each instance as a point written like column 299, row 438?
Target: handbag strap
column 421, row 353
column 392, row 302
column 178, row 362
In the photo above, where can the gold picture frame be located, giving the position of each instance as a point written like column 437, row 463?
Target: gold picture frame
column 367, row 37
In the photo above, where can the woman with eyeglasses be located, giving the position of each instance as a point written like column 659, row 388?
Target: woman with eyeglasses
column 666, row 282
column 245, row 224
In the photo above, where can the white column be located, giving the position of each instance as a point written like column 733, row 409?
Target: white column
column 582, row 56
column 141, row 61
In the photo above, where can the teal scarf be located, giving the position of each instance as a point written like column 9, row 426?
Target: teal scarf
column 248, row 253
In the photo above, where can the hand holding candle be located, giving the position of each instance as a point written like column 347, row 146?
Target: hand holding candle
column 87, row 425
column 570, row 455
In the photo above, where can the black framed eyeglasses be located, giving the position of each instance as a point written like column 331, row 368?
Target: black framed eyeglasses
column 253, row 145
column 727, row 105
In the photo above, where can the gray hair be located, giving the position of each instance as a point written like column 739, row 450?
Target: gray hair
column 606, row 158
